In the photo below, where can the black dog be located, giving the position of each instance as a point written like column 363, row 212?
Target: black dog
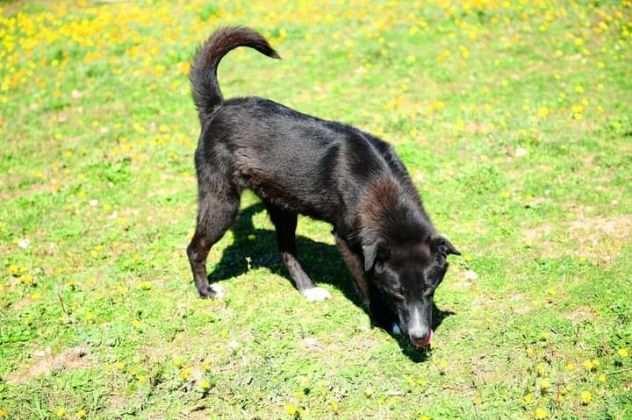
column 327, row 170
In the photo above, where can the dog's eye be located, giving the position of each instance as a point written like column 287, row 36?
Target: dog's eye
column 394, row 291
column 379, row 267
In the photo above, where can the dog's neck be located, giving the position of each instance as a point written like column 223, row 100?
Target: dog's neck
column 388, row 211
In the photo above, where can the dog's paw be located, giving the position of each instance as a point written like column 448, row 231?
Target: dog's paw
column 395, row 329
column 316, row 294
column 214, row 291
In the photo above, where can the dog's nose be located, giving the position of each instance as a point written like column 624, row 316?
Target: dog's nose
column 420, row 337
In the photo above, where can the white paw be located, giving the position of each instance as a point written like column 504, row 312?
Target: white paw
column 316, row 294
column 395, row 329
column 219, row 291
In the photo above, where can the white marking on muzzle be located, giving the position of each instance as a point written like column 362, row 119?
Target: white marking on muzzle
column 416, row 325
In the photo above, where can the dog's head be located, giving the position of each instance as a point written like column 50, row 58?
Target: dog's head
column 407, row 276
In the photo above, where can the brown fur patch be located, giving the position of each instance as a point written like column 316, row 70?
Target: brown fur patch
column 381, row 196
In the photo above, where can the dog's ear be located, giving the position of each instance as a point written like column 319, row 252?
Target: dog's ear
column 374, row 252
column 439, row 244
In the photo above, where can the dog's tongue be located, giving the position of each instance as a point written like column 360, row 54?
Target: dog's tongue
column 425, row 342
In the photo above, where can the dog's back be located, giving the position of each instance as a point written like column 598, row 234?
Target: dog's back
column 298, row 162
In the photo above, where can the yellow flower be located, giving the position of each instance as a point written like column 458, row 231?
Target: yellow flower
column 541, row 413
column 3, row 413
column 543, row 112
column 623, row 352
column 291, row 410
column 528, row 399
column 204, row 385
column 185, row 374
column 570, row 366
column 544, row 384
column 81, row 414
column 588, row 365
column 27, row 280
column 585, row 397
column 577, row 109
column 15, row 269
column 442, row 364
column 206, row 365
column 465, row 53
column 145, row 285
column 602, row 378
column 60, row 412
column 424, row 417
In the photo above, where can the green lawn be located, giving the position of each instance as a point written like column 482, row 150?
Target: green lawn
column 513, row 117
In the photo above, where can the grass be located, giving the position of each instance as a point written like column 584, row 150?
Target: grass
column 514, row 118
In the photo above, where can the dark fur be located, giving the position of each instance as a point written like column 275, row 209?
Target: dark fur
column 299, row 164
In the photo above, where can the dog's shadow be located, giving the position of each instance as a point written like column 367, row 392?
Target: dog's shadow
column 254, row 248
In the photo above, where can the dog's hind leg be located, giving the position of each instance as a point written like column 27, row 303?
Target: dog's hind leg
column 285, row 225
column 218, row 205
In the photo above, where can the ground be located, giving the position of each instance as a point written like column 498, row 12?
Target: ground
column 514, row 118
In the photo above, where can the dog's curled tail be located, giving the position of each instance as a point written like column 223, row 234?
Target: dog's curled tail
column 207, row 95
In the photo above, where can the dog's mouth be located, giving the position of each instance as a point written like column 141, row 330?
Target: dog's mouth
column 422, row 342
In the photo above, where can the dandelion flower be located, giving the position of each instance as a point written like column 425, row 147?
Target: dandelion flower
column 204, row 385
column 185, row 374
column 27, row 280
column 544, row 384
column 543, row 112
column 541, row 413
column 442, row 364
column 585, row 397
column 623, row 352
column 145, row 285
column 291, row 410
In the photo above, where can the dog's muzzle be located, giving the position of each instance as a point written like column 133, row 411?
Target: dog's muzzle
column 421, row 340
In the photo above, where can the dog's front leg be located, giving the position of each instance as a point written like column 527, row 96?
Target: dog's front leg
column 285, row 225
column 354, row 264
